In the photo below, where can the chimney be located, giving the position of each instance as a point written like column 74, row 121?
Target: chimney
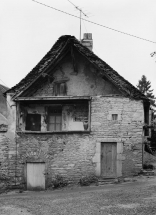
column 87, row 41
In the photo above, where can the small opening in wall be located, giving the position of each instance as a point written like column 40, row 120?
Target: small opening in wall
column 60, row 89
column 114, row 116
column 33, row 122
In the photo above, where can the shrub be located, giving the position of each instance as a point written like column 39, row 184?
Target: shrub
column 59, row 182
column 87, row 180
column 4, row 177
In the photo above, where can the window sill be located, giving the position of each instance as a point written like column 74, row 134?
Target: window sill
column 53, row 132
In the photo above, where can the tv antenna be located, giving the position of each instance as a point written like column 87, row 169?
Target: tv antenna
column 81, row 12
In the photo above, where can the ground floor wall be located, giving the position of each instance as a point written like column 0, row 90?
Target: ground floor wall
column 74, row 155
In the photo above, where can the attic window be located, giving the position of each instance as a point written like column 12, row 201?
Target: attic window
column 33, row 122
column 114, row 117
column 60, row 89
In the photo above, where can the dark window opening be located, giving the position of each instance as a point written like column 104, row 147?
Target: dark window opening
column 33, row 122
column 60, row 89
column 55, row 119
column 146, row 119
column 114, row 116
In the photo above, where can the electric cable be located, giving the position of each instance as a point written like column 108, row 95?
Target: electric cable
column 131, row 35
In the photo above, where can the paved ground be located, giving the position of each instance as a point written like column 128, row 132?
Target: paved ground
column 124, row 199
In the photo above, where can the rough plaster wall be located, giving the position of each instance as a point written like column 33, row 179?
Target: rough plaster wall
column 32, row 109
column 71, row 155
column 73, row 116
column 86, row 82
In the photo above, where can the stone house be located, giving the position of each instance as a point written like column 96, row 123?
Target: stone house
column 74, row 116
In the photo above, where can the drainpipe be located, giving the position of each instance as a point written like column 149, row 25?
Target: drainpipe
column 16, row 157
column 143, row 147
column 17, row 112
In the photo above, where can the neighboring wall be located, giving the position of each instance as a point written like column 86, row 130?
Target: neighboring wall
column 4, row 153
column 75, row 155
column 3, row 150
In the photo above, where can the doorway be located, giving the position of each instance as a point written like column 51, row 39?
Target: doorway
column 35, row 176
column 108, row 160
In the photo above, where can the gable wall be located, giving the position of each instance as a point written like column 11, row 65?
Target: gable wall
column 85, row 82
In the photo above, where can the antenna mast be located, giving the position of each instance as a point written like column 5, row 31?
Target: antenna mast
column 81, row 12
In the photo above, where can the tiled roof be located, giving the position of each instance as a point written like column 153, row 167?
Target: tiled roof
column 61, row 46
column 3, row 89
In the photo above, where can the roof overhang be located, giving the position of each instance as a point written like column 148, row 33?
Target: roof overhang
column 52, row 98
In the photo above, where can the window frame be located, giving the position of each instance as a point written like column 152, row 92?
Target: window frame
column 60, row 90
column 114, row 117
column 33, row 121
column 55, row 115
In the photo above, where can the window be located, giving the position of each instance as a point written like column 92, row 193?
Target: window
column 146, row 118
column 60, row 89
column 114, row 116
column 55, row 119
column 33, row 122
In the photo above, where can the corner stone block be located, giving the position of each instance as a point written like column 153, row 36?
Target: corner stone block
column 98, row 147
column 98, row 169
column 119, row 148
column 96, row 158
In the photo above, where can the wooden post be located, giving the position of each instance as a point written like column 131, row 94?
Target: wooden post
column 89, row 115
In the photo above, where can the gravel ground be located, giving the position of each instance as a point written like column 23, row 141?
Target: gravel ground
column 125, row 199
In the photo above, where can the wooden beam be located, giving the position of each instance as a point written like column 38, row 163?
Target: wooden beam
column 53, row 132
column 73, row 61
column 17, row 115
column 53, row 98
column 89, row 115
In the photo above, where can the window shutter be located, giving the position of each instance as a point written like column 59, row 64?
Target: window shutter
column 63, row 89
column 60, row 89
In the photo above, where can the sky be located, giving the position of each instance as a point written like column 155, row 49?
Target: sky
column 28, row 30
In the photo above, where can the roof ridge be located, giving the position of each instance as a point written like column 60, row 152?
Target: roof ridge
column 57, row 49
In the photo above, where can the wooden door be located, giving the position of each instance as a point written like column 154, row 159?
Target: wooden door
column 35, row 176
column 108, row 160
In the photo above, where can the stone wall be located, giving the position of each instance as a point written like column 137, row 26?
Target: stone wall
column 74, row 155
column 3, row 151
column 4, row 161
